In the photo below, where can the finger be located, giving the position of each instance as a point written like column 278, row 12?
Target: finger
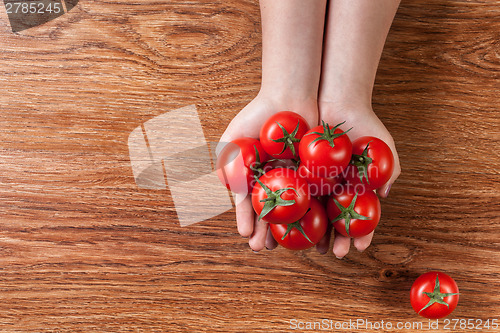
column 341, row 245
column 271, row 243
column 361, row 243
column 324, row 244
column 244, row 215
column 257, row 240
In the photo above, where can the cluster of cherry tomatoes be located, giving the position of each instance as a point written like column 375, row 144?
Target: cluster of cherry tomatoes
column 302, row 179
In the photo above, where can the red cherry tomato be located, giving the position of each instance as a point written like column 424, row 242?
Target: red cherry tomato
column 319, row 185
column 304, row 233
column 434, row 295
column 372, row 163
column 325, row 151
column 281, row 196
column 281, row 133
column 237, row 162
column 354, row 214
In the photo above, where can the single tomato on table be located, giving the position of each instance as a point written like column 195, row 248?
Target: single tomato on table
column 434, row 295
column 281, row 196
column 325, row 151
column 304, row 233
column 281, row 133
column 371, row 165
column 238, row 162
column 354, row 214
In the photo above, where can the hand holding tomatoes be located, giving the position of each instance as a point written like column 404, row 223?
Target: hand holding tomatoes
column 291, row 163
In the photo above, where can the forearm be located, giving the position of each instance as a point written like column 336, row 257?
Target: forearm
column 355, row 36
column 292, row 38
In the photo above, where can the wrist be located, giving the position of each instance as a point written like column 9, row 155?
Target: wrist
column 288, row 90
column 344, row 89
column 288, row 99
column 347, row 97
column 344, row 108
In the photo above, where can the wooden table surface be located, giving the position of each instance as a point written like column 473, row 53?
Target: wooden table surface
column 82, row 248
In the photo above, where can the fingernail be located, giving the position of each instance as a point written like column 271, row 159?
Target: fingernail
column 339, row 257
column 267, row 248
column 387, row 191
column 255, row 251
column 359, row 250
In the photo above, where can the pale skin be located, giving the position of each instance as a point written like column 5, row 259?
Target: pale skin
column 326, row 78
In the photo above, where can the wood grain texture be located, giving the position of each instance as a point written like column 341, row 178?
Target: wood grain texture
column 83, row 249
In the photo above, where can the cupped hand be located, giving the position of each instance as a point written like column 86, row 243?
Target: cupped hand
column 364, row 122
column 247, row 123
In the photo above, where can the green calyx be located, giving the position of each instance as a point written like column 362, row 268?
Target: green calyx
column 273, row 198
column 288, row 138
column 297, row 226
column 436, row 296
column 258, row 166
column 328, row 134
column 361, row 162
column 348, row 213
